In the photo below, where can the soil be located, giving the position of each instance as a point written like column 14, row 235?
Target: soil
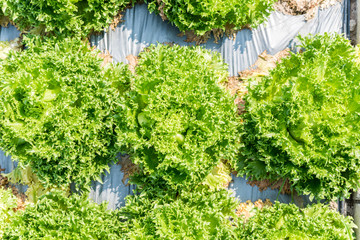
column 245, row 209
column 107, row 58
column 262, row 66
column 117, row 19
column 127, row 167
column 303, row 7
column 279, row 184
column 133, row 62
column 237, row 86
column 5, row 21
column 216, row 33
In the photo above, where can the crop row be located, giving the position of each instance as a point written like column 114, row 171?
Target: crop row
column 80, row 18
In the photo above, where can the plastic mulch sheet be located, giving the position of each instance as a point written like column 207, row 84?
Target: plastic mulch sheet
column 140, row 29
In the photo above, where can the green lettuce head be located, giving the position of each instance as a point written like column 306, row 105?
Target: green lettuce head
column 302, row 121
column 58, row 106
column 180, row 122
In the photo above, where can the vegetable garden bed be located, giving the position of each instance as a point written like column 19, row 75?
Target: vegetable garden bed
column 67, row 111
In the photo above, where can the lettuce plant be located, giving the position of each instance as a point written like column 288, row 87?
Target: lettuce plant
column 287, row 221
column 200, row 214
column 62, row 17
column 210, row 15
column 301, row 121
column 58, row 107
column 179, row 122
column 25, row 176
column 219, row 178
column 56, row 216
column 8, row 202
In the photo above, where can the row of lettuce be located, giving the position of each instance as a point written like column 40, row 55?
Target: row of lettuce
column 81, row 17
column 200, row 214
column 65, row 114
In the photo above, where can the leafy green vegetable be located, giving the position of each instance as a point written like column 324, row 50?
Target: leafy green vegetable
column 301, row 121
column 283, row 221
column 203, row 16
column 58, row 108
column 25, row 176
column 8, row 202
column 219, row 177
column 199, row 214
column 56, row 216
column 62, row 17
column 179, row 122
